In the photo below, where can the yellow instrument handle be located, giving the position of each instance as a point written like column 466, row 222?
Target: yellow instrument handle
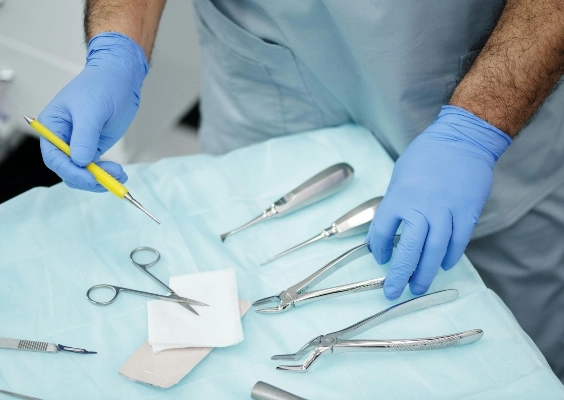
column 105, row 179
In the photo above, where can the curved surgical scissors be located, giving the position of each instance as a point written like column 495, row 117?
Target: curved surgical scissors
column 171, row 296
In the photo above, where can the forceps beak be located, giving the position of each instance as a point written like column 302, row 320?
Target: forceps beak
column 319, row 351
column 272, row 299
column 300, row 353
column 267, row 300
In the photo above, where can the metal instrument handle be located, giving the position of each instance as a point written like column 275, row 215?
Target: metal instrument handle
column 336, row 291
column 357, row 220
column 430, row 343
column 328, row 269
column 143, row 267
column 6, row 343
column 118, row 289
column 29, row 345
column 19, row 396
column 324, row 184
column 406, row 307
column 143, row 248
column 264, row 391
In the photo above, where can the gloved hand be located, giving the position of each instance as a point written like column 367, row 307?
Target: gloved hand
column 93, row 111
column 438, row 189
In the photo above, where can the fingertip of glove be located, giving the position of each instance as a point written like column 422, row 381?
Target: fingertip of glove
column 115, row 170
column 418, row 289
column 446, row 267
column 392, row 294
column 123, row 178
column 376, row 255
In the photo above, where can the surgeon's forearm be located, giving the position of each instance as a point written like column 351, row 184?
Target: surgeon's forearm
column 137, row 19
column 518, row 67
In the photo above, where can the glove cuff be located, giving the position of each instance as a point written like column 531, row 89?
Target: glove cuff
column 476, row 129
column 125, row 51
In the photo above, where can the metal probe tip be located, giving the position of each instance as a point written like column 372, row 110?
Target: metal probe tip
column 130, row 198
column 28, row 119
column 324, row 234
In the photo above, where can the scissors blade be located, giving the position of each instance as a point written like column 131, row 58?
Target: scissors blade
column 186, row 303
column 189, row 308
column 195, row 302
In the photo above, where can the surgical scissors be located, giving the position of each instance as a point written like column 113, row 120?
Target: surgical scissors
column 171, row 296
column 297, row 295
column 337, row 342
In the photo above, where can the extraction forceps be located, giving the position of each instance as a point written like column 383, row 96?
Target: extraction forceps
column 296, row 295
column 171, row 296
column 337, row 342
column 44, row 347
column 324, row 184
column 355, row 222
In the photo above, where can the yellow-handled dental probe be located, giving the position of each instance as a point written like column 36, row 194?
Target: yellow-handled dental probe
column 105, row 179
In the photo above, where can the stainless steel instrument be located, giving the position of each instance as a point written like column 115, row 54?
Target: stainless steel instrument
column 171, row 296
column 355, row 222
column 19, row 396
column 30, row 345
column 324, row 184
column 297, row 295
column 337, row 342
column 265, row 391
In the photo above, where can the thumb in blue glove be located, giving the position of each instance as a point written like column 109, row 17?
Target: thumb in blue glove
column 438, row 189
column 93, row 111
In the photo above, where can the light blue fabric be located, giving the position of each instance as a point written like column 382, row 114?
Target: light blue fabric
column 57, row 242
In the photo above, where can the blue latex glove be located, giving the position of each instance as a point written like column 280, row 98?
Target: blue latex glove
column 438, row 189
column 93, row 111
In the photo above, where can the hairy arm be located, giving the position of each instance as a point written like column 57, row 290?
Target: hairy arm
column 518, row 67
column 137, row 19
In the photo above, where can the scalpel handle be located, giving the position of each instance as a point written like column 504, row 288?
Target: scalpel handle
column 430, row 343
column 29, row 345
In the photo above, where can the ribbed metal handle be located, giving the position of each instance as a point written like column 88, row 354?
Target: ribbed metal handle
column 33, row 346
column 432, row 343
column 29, row 345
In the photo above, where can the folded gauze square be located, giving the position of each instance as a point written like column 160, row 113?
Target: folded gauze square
column 171, row 326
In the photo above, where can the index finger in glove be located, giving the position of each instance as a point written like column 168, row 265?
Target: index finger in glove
column 382, row 231
column 55, row 159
